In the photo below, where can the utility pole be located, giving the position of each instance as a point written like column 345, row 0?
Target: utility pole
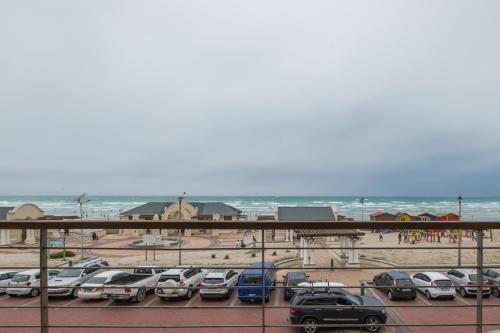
column 81, row 200
column 460, row 198
column 179, row 239
column 362, row 202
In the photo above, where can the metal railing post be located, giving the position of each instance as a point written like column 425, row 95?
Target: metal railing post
column 479, row 308
column 44, row 293
column 263, row 283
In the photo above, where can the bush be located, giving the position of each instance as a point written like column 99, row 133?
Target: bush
column 226, row 256
column 275, row 253
column 213, row 256
column 60, row 254
column 254, row 255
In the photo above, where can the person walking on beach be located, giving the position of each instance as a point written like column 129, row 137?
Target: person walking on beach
column 254, row 240
column 380, row 237
column 238, row 244
column 400, row 236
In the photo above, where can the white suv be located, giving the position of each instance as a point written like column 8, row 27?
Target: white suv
column 433, row 285
column 179, row 282
column 219, row 283
column 465, row 281
column 27, row 282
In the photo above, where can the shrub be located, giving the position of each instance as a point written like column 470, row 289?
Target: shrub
column 254, row 255
column 213, row 256
column 226, row 256
column 60, row 254
column 275, row 253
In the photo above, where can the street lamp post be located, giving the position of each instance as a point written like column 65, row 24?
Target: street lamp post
column 460, row 198
column 179, row 240
column 362, row 202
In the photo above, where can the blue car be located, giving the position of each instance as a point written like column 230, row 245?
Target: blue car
column 290, row 280
column 257, row 281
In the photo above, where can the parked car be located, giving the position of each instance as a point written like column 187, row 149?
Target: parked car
column 493, row 276
column 290, row 280
column 94, row 287
column 5, row 277
column 257, row 281
column 219, row 283
column 336, row 307
column 28, row 282
column 180, row 282
column 134, row 287
column 433, row 285
column 397, row 285
column 67, row 281
column 464, row 280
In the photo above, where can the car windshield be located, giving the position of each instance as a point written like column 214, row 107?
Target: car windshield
column 70, row 272
column 353, row 298
column 164, row 278
column 143, row 271
column 443, row 283
column 404, row 283
column 20, row 278
column 97, row 280
column 213, row 281
column 251, row 279
column 473, row 277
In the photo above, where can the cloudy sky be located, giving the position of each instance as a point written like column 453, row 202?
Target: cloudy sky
column 250, row 97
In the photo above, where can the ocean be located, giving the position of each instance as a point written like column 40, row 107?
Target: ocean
column 103, row 207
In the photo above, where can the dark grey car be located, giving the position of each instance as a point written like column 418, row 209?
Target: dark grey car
column 337, row 308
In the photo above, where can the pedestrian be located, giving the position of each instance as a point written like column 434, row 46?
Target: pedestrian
column 242, row 244
column 380, row 237
column 254, row 240
column 94, row 236
column 238, row 244
column 439, row 236
column 400, row 236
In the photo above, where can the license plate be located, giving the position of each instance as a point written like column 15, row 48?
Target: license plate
column 406, row 289
column 445, row 289
column 252, row 294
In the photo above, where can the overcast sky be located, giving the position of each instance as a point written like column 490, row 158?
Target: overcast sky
column 250, row 97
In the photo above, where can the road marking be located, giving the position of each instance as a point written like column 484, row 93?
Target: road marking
column 234, row 300
column 191, row 301
column 151, row 301
column 423, row 299
column 277, row 296
column 460, row 299
column 67, row 304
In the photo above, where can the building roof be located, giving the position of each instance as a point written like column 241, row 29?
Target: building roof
column 4, row 211
column 204, row 208
column 210, row 208
column 150, row 208
column 323, row 213
column 380, row 213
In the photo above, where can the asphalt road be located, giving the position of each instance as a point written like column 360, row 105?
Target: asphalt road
column 238, row 313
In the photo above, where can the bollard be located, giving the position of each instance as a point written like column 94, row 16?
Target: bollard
column 331, row 265
column 362, row 289
column 70, row 263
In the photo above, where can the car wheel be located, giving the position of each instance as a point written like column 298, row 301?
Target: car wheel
column 141, row 296
column 486, row 296
column 189, row 293
column 74, row 293
column 372, row 324
column 34, row 292
column 463, row 292
column 12, row 295
column 310, row 325
column 390, row 295
column 495, row 292
column 428, row 294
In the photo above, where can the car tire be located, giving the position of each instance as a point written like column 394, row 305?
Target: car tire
column 141, row 296
column 12, row 295
column 189, row 293
column 390, row 295
column 374, row 322
column 486, row 296
column 74, row 293
column 310, row 325
column 34, row 292
column 495, row 292
column 428, row 294
column 463, row 293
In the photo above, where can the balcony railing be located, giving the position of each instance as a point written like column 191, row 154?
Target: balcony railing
column 420, row 316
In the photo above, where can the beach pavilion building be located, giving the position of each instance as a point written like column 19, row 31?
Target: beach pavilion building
column 26, row 211
column 348, row 238
column 181, row 209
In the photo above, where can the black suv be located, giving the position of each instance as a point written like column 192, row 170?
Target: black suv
column 335, row 308
column 396, row 285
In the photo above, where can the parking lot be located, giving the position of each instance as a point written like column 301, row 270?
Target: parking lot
column 78, row 313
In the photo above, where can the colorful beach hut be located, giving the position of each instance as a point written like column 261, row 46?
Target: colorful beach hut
column 401, row 216
column 382, row 216
column 427, row 216
column 448, row 217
